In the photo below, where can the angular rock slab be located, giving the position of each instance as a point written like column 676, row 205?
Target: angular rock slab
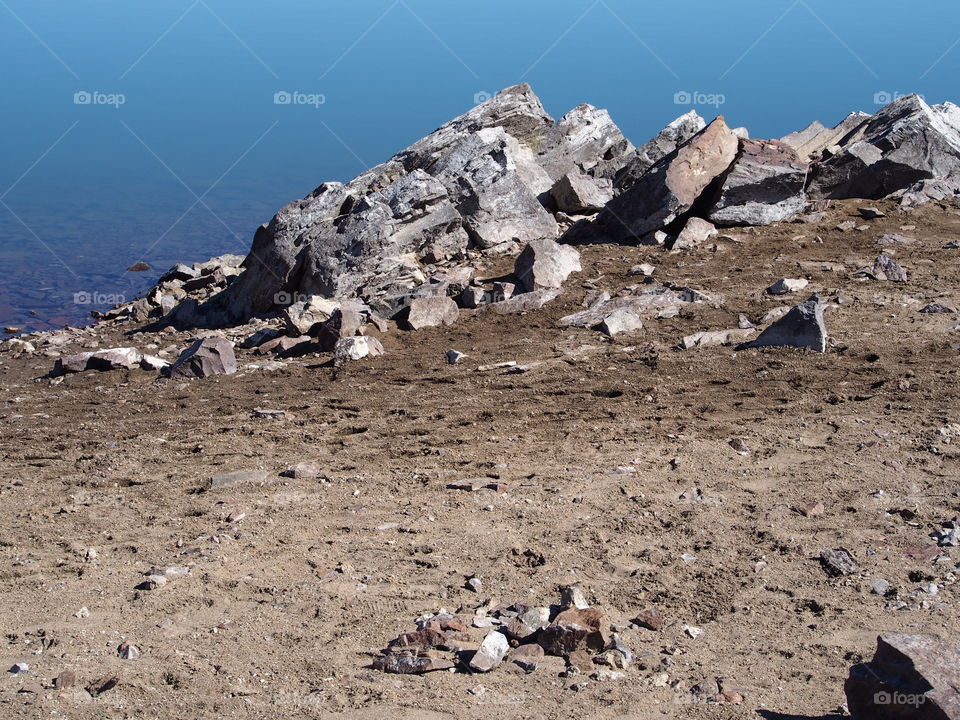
column 911, row 677
column 545, row 264
column 580, row 194
column 802, row 327
column 206, row 357
column 811, row 142
column 575, row 629
column 903, row 144
column 674, row 135
column 672, row 186
column 432, row 312
column 491, row 652
column 100, row 360
column 764, row 186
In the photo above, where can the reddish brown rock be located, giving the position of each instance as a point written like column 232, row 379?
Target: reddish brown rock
column 206, row 357
column 672, row 186
column 527, row 657
column 651, row 619
column 575, row 629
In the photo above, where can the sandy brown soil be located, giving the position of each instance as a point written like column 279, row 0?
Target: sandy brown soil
column 320, row 574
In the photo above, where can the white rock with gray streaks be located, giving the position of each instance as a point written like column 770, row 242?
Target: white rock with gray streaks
column 906, row 142
column 544, row 264
column 586, row 140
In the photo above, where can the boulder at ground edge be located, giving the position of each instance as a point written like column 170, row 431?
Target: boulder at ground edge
column 545, row 263
column 911, row 677
column 206, row 357
column 432, row 312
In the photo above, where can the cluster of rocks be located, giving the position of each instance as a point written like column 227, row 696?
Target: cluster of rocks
column 517, row 633
column 506, row 175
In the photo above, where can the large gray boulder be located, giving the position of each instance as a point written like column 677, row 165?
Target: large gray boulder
column 911, row 677
column 476, row 178
column 903, row 144
column 672, row 186
column 366, row 248
column 494, row 182
column 580, row 194
column 801, row 327
column 677, row 133
column 587, row 140
column 764, row 186
column 99, row 360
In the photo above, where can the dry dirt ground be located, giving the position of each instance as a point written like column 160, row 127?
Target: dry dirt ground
column 283, row 610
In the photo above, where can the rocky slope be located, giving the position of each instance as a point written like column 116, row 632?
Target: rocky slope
column 658, row 431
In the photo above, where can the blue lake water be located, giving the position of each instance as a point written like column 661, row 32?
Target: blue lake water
column 165, row 132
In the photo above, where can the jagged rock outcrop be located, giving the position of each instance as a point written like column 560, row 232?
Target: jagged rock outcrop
column 765, row 185
column 815, row 139
column 905, row 143
column 587, row 140
column 677, row 133
column 671, row 186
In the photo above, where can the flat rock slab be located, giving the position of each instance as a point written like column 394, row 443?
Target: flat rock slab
column 100, row 360
column 911, row 677
column 238, row 477
column 526, row 302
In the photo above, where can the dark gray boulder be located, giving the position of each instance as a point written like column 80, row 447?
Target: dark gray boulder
column 765, row 185
column 801, row 327
column 672, row 186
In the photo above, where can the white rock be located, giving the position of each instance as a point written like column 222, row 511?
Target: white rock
column 784, row 286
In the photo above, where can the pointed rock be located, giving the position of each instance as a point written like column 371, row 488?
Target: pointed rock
column 802, row 327
column 672, row 186
column 674, row 135
column 911, row 677
column 811, row 142
column 584, row 140
column 696, row 232
column 491, row 653
column 905, row 143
